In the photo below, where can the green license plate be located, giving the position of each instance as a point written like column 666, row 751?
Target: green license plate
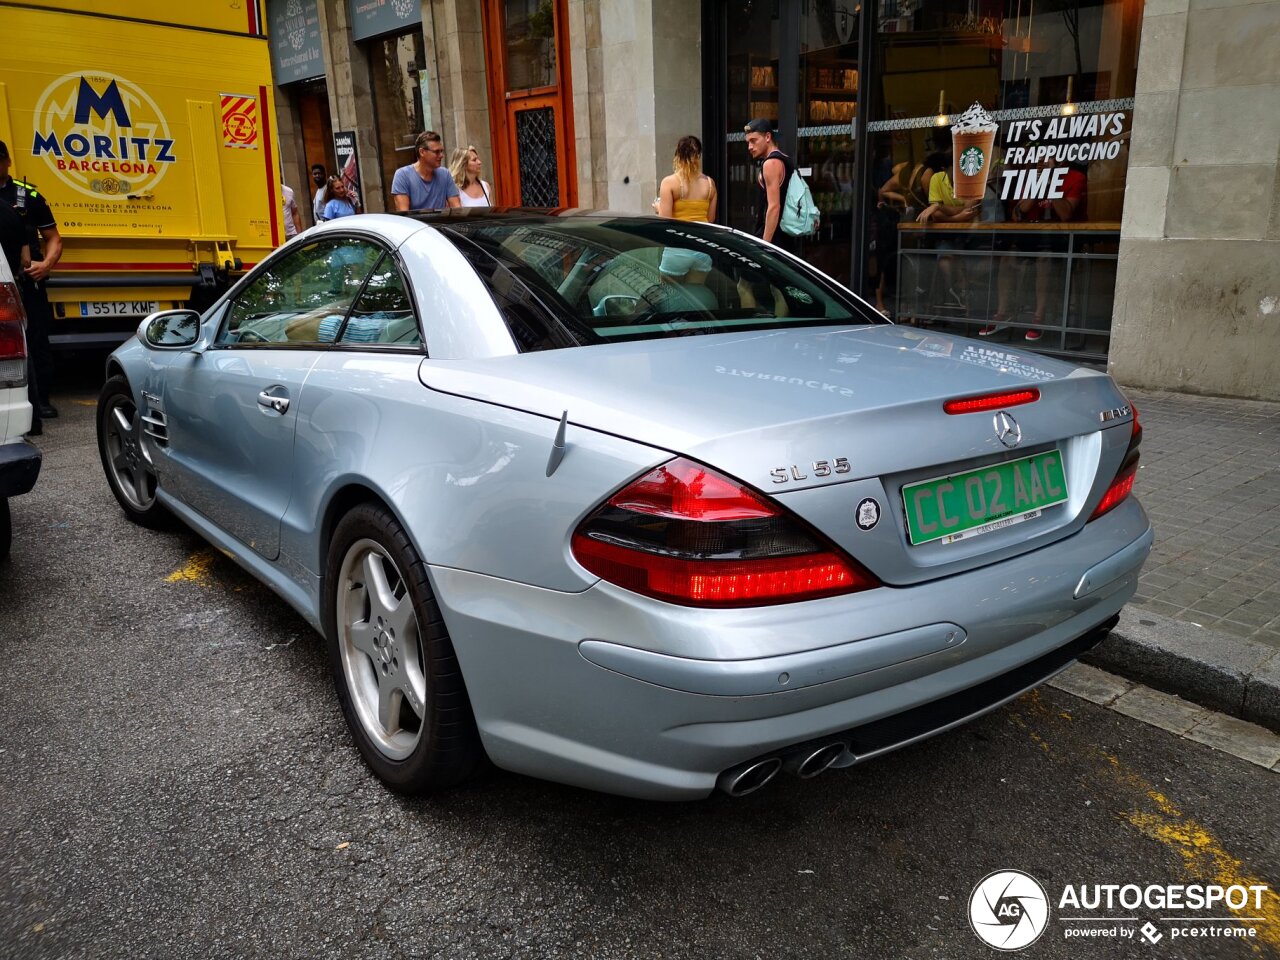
column 980, row 501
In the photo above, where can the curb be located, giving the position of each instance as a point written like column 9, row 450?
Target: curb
column 1229, row 674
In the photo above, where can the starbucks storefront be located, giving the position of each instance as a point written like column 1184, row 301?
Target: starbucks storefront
column 1016, row 238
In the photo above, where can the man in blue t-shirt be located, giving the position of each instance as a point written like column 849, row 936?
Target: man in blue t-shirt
column 425, row 185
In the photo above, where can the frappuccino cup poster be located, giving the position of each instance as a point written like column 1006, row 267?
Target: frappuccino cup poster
column 973, row 137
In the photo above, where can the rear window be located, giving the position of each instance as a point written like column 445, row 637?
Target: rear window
column 606, row 280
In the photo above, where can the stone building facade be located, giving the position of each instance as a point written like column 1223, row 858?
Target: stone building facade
column 1197, row 303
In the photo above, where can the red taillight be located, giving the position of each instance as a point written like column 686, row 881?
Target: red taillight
column 718, row 583
column 13, row 343
column 991, row 401
column 1120, row 488
column 1122, row 485
column 686, row 490
column 686, row 534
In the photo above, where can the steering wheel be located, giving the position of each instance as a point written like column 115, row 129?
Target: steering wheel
column 251, row 336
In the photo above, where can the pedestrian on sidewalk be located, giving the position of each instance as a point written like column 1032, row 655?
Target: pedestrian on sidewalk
column 772, row 180
column 425, row 184
column 465, row 167
column 292, row 218
column 687, row 193
column 319, row 177
column 339, row 203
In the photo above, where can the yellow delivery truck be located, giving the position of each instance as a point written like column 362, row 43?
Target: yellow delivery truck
column 148, row 125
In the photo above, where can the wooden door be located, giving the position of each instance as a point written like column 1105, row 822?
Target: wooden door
column 530, row 103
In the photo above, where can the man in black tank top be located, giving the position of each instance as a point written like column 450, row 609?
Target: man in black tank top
column 771, row 182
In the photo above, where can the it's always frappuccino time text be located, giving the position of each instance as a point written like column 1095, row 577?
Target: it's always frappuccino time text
column 1036, row 169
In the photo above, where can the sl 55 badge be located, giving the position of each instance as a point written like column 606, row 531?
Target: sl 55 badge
column 820, row 468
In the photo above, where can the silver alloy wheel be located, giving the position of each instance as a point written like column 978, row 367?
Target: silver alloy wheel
column 127, row 456
column 381, row 649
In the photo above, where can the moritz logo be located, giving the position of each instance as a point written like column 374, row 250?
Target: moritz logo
column 102, row 135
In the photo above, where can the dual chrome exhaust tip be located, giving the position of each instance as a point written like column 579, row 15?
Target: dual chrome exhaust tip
column 804, row 763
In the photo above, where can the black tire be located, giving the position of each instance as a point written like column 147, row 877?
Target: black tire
column 125, row 459
column 381, row 663
column 6, row 529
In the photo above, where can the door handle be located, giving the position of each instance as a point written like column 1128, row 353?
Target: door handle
column 278, row 404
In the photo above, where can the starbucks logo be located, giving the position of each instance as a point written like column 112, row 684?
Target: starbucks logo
column 971, row 161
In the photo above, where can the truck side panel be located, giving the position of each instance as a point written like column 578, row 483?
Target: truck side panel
column 153, row 144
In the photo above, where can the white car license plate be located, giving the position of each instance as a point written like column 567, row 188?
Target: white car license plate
column 117, row 308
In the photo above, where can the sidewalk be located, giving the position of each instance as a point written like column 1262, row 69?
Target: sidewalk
column 1205, row 624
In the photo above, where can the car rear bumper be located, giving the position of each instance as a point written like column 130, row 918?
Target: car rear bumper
column 592, row 688
column 19, row 467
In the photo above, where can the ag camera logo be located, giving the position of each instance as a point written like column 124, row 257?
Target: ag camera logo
column 1008, row 910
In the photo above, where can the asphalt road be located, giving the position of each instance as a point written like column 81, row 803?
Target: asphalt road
column 176, row 781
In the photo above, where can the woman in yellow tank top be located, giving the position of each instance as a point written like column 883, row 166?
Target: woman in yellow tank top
column 688, row 193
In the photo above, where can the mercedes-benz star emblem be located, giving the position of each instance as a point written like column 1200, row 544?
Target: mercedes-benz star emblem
column 1007, row 430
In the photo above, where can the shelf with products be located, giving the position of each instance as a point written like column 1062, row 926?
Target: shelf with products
column 764, row 77
column 831, row 111
column 763, row 88
column 831, row 92
column 834, row 79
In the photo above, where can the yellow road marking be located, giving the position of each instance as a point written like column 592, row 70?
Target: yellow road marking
column 1203, row 857
column 197, row 569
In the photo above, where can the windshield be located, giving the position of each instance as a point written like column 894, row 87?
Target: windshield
column 641, row 278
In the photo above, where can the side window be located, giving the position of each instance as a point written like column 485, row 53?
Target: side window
column 304, row 297
column 383, row 314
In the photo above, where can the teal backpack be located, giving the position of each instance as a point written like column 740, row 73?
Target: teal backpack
column 800, row 214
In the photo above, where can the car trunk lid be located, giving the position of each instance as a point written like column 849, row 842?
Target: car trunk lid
column 825, row 418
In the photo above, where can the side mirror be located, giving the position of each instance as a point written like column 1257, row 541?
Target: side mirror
column 170, row 329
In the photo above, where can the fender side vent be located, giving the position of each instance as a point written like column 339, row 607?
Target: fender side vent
column 155, row 427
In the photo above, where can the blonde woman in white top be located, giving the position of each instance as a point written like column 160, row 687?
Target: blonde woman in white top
column 465, row 167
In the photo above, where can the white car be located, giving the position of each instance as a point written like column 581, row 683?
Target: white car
column 19, row 460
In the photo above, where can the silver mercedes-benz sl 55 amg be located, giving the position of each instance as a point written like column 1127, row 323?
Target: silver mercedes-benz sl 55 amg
column 644, row 506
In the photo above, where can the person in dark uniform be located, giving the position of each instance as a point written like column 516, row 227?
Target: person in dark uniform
column 771, row 183
column 13, row 241
column 37, row 218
